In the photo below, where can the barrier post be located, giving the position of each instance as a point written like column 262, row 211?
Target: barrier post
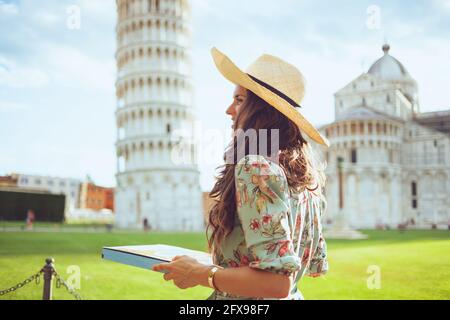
column 48, row 270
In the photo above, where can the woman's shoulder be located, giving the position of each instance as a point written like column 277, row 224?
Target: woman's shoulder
column 263, row 173
column 258, row 164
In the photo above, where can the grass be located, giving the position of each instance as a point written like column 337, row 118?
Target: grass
column 52, row 225
column 413, row 265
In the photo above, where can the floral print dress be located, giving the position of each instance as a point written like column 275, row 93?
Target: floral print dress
column 274, row 230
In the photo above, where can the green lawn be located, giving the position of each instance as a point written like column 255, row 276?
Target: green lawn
column 414, row 265
column 53, row 225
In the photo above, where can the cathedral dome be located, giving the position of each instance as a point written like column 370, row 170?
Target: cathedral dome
column 389, row 68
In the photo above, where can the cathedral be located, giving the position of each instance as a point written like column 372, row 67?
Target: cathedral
column 155, row 116
column 395, row 160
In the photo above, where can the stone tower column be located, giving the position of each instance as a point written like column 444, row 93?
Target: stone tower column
column 154, row 100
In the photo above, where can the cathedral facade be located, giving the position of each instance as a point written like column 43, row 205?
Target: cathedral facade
column 395, row 159
column 154, row 108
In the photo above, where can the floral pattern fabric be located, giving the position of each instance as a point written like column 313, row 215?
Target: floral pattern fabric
column 274, row 230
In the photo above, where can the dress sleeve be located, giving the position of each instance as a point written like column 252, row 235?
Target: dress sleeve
column 263, row 208
column 318, row 264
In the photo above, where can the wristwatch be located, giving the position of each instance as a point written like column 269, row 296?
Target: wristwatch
column 211, row 275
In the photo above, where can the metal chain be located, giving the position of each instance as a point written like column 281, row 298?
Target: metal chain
column 60, row 281
column 35, row 276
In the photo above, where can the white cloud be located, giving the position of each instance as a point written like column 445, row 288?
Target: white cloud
column 74, row 68
column 14, row 76
column 444, row 4
column 8, row 8
column 201, row 6
column 9, row 106
column 77, row 161
column 97, row 7
column 46, row 18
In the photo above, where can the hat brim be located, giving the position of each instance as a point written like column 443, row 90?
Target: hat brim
column 232, row 73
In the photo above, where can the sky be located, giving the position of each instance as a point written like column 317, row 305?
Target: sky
column 57, row 73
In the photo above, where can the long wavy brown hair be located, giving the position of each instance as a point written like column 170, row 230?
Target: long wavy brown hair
column 295, row 157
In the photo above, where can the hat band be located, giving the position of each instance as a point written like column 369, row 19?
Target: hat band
column 277, row 92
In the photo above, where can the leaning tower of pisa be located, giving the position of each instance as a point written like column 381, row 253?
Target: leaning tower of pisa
column 154, row 101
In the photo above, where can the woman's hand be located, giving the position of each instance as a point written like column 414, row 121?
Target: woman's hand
column 186, row 272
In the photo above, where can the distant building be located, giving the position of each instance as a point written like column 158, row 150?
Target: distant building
column 55, row 185
column 15, row 202
column 8, row 181
column 396, row 160
column 95, row 197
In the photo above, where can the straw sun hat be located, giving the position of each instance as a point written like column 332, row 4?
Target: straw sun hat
column 277, row 82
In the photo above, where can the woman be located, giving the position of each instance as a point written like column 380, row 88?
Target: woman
column 264, row 230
